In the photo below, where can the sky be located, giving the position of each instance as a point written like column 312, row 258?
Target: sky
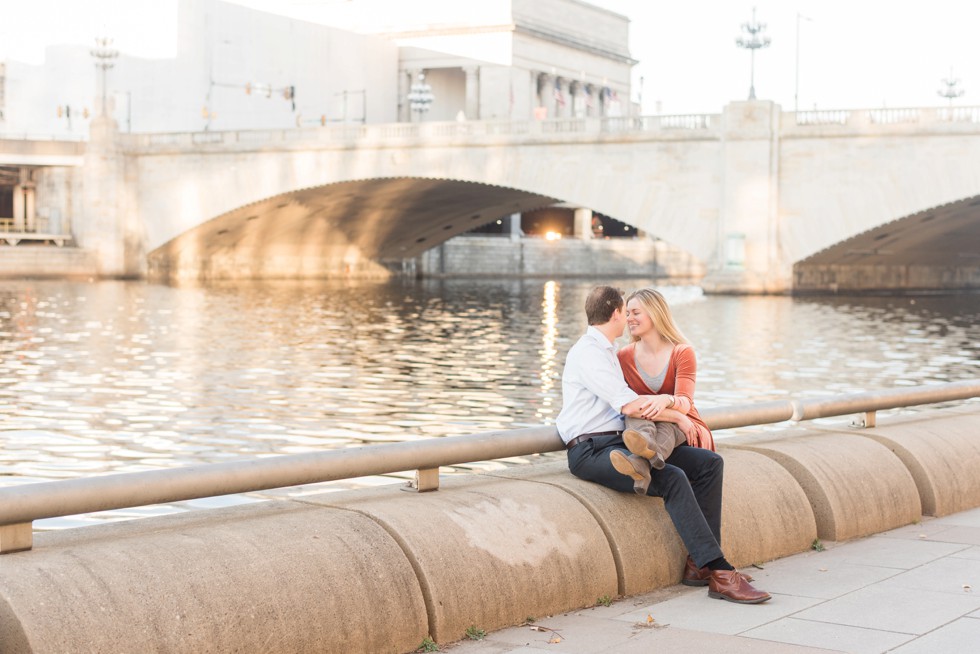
column 849, row 54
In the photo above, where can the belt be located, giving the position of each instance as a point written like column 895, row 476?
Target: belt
column 584, row 437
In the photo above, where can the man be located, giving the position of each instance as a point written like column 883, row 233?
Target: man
column 594, row 399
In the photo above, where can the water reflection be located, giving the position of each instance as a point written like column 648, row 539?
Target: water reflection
column 549, row 371
column 117, row 376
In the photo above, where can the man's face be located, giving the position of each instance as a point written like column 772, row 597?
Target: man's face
column 619, row 318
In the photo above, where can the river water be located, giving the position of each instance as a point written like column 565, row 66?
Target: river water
column 126, row 376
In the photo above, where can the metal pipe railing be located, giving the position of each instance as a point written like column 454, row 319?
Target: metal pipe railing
column 20, row 505
column 888, row 399
column 70, row 497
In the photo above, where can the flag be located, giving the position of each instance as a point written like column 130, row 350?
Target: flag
column 559, row 98
column 588, row 96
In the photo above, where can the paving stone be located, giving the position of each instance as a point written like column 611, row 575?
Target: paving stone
column 890, row 609
column 830, row 636
column 959, row 636
column 696, row 611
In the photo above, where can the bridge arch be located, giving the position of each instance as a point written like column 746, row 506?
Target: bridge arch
column 358, row 227
column 935, row 249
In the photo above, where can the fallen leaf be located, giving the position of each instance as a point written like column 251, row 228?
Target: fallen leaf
column 555, row 639
column 922, row 536
column 649, row 618
column 822, row 569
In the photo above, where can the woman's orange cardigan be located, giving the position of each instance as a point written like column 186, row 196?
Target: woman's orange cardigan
column 681, row 372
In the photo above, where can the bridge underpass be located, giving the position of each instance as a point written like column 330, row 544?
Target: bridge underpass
column 936, row 249
column 359, row 228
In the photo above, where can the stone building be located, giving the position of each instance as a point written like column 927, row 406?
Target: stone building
column 258, row 64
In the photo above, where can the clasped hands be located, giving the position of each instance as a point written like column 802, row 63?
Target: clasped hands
column 653, row 405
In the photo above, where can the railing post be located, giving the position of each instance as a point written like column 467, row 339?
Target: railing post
column 866, row 420
column 16, row 538
column 425, row 480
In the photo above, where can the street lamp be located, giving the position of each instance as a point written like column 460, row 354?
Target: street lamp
column 753, row 42
column 420, row 95
column 949, row 90
column 105, row 56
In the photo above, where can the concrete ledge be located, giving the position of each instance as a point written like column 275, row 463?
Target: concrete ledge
column 856, row 486
column 272, row 576
column 489, row 552
column 646, row 549
column 765, row 515
column 378, row 570
column 942, row 452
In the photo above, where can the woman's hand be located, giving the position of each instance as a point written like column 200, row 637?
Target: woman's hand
column 689, row 428
column 657, row 403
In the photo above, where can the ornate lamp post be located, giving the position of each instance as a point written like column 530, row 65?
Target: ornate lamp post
column 950, row 90
column 420, row 96
column 754, row 40
column 105, row 56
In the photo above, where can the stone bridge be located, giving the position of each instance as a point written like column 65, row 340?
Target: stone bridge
column 768, row 200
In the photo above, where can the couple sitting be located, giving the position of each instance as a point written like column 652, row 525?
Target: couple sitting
column 665, row 450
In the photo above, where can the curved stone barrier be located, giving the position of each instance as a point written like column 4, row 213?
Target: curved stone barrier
column 378, row 570
column 490, row 552
column 765, row 514
column 276, row 576
column 942, row 452
column 855, row 485
column 646, row 549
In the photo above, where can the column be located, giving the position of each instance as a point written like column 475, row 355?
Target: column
column 404, row 85
column 30, row 217
column 18, row 208
column 747, row 254
column 472, row 92
column 512, row 226
column 583, row 224
column 413, row 75
column 545, row 96
column 575, row 107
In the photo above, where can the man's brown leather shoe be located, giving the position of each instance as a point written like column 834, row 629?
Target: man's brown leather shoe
column 732, row 585
column 632, row 466
column 695, row 576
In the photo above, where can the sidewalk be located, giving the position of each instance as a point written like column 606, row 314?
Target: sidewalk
column 910, row 590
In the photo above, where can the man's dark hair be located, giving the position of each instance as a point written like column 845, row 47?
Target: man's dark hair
column 601, row 303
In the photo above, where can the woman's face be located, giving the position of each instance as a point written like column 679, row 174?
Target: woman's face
column 637, row 320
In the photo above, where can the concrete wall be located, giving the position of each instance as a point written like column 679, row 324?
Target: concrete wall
column 34, row 261
column 379, row 569
column 479, row 256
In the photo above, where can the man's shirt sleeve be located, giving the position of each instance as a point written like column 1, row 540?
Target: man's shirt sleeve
column 601, row 374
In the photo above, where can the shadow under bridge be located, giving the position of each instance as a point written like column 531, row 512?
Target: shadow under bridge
column 364, row 228
column 933, row 250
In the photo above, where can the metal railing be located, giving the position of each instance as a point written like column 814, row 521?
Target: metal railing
column 21, row 505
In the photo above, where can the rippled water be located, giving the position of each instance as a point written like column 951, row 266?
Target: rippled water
column 126, row 376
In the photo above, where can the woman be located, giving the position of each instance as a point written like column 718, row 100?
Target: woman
column 660, row 362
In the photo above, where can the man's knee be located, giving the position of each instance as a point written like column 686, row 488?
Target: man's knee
column 671, row 478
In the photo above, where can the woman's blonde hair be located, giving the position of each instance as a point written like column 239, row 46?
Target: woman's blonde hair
column 655, row 306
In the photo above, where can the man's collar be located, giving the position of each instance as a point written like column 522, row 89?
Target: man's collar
column 595, row 333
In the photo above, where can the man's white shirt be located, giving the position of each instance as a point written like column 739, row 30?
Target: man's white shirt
column 592, row 387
